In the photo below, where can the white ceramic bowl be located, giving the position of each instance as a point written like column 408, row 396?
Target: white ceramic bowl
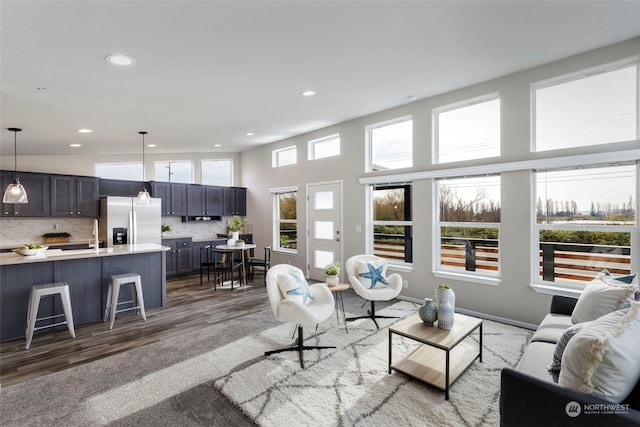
column 31, row 252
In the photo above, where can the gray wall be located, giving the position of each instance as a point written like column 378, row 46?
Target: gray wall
column 513, row 298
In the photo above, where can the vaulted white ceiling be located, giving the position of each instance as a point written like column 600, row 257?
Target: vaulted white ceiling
column 209, row 72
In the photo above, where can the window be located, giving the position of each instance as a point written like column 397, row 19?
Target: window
column 284, row 156
column 391, row 230
column 217, row 172
column 467, row 131
column 324, row 147
column 174, row 172
column 587, row 110
column 390, row 145
column 125, row 171
column 585, row 222
column 285, row 230
column 468, row 231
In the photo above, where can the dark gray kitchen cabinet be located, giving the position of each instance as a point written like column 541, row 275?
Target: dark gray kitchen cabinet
column 196, row 200
column 234, row 201
column 213, row 201
column 174, row 197
column 203, row 200
column 74, row 196
column 37, row 186
column 178, row 256
column 162, row 190
column 179, row 199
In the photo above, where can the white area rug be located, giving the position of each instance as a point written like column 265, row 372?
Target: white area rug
column 350, row 386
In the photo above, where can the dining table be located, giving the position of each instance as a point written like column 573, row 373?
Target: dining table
column 244, row 250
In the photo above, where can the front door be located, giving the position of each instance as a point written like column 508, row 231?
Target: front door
column 324, row 219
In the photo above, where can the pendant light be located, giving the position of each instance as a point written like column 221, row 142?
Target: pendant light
column 143, row 196
column 15, row 192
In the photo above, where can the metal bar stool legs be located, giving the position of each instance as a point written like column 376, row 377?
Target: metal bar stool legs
column 39, row 291
column 114, row 292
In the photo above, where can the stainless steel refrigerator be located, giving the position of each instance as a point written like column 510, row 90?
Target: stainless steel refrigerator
column 125, row 221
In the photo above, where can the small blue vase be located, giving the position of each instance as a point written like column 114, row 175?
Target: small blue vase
column 428, row 312
column 445, row 315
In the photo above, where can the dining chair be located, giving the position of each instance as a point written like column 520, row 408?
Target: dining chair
column 224, row 262
column 261, row 263
column 206, row 262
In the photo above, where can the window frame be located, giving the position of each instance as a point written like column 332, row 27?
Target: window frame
column 157, row 162
column 275, row 156
column 230, row 161
column 573, row 289
column 311, row 145
column 575, row 76
column 369, row 141
column 396, row 264
column 276, row 193
column 435, row 120
column 443, row 272
column 132, row 164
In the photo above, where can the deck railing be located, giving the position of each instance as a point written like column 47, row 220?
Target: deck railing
column 575, row 263
column 580, row 262
column 393, row 247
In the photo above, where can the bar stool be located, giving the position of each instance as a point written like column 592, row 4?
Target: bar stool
column 116, row 281
column 39, row 291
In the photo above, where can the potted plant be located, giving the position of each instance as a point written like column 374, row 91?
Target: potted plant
column 60, row 237
column 236, row 225
column 333, row 272
column 164, row 228
column 240, row 243
column 284, row 241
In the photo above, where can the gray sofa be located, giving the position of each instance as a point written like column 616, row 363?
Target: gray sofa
column 530, row 395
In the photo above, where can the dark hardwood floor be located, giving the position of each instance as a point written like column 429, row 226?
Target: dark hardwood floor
column 189, row 307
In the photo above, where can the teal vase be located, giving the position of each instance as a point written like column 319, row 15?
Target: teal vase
column 428, row 312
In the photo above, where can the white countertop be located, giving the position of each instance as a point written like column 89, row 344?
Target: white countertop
column 11, row 258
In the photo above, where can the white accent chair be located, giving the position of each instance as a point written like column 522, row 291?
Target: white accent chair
column 288, row 310
column 384, row 293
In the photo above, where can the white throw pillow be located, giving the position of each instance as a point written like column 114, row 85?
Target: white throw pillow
column 602, row 359
column 371, row 274
column 602, row 296
column 295, row 287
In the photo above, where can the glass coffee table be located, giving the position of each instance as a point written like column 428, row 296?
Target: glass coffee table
column 444, row 354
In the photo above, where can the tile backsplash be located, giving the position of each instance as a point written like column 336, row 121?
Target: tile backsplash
column 15, row 232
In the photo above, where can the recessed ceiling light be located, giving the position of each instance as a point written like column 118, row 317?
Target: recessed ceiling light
column 84, row 131
column 308, row 93
column 122, row 60
column 151, row 145
column 217, row 145
column 75, row 145
column 412, row 97
column 249, row 133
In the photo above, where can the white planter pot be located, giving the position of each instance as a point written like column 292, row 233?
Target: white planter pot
column 333, row 280
column 235, row 235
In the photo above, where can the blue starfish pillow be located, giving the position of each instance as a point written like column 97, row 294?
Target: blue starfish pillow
column 295, row 287
column 371, row 274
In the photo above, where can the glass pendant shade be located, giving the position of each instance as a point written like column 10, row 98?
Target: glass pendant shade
column 143, row 196
column 15, row 193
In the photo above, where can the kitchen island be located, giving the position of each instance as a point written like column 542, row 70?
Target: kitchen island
column 87, row 271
